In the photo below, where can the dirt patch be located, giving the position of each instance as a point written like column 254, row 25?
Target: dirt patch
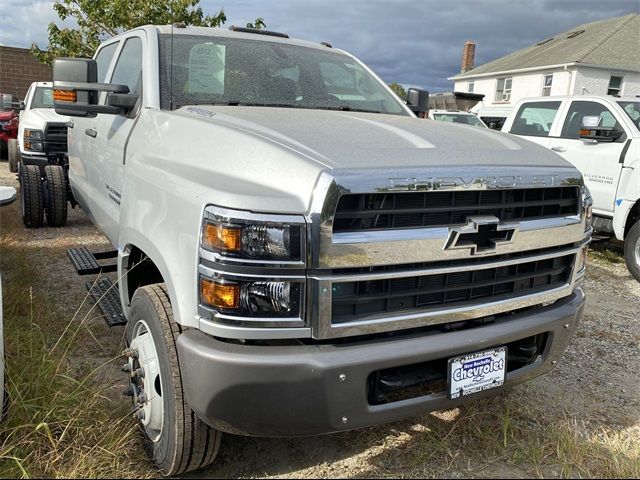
column 572, row 421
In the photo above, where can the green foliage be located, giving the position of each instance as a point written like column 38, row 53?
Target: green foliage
column 100, row 19
column 398, row 90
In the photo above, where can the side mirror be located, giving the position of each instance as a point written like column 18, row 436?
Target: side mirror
column 76, row 90
column 591, row 131
column 418, row 101
column 7, row 195
column 21, row 105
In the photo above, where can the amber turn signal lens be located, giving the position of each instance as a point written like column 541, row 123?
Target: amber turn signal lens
column 64, row 95
column 219, row 295
column 221, row 238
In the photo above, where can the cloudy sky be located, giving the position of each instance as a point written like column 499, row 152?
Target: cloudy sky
column 413, row 42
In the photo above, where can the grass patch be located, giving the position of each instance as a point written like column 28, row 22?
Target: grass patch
column 606, row 255
column 505, row 437
column 61, row 421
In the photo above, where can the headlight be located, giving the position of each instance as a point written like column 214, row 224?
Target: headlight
column 251, row 299
column 258, row 237
column 33, row 146
column 33, row 134
column 252, row 269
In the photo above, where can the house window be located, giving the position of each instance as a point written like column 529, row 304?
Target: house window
column 471, row 86
column 547, row 81
column 615, row 86
column 503, row 89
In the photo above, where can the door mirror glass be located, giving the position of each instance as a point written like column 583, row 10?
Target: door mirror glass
column 592, row 129
column 418, row 101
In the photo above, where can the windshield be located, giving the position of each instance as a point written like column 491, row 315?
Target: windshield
column 231, row 71
column 459, row 118
column 633, row 110
column 42, row 98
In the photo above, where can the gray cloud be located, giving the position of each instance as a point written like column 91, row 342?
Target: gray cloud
column 413, row 42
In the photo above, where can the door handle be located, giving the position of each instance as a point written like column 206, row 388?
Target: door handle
column 91, row 132
column 559, row 149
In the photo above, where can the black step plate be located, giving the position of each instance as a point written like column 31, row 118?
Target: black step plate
column 85, row 262
column 105, row 293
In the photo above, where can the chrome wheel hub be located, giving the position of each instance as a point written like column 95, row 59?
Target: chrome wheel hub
column 146, row 380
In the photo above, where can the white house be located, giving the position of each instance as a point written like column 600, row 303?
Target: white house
column 596, row 58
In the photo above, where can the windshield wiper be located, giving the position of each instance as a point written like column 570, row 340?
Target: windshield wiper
column 237, row 103
column 346, row 108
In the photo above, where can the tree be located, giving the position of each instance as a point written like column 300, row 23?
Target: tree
column 100, row 19
column 398, row 90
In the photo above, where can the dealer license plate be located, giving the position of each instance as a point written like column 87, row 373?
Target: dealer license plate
column 477, row 372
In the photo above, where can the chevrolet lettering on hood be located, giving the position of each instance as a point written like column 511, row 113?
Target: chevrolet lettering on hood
column 448, row 183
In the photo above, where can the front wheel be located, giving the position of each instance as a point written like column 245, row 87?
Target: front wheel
column 632, row 250
column 56, row 195
column 31, row 196
column 175, row 438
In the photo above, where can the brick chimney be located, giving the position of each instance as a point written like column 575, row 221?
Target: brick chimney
column 468, row 54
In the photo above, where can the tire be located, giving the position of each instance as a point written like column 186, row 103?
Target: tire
column 632, row 250
column 183, row 442
column 14, row 155
column 31, row 196
column 56, row 190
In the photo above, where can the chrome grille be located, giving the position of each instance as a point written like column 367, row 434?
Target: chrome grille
column 55, row 137
column 381, row 211
column 355, row 300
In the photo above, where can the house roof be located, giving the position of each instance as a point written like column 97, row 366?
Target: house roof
column 614, row 43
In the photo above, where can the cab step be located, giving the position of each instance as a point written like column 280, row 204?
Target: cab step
column 105, row 294
column 86, row 262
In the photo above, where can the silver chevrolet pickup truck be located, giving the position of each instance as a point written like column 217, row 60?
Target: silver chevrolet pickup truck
column 299, row 254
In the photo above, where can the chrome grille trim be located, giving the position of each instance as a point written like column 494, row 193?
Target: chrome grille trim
column 329, row 252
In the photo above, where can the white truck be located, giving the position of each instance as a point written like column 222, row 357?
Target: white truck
column 39, row 155
column 600, row 136
column 297, row 253
column 454, row 116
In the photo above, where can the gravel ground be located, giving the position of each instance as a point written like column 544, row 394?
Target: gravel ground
column 596, row 381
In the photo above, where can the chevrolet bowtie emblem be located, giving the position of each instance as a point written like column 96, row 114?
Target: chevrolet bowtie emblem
column 481, row 235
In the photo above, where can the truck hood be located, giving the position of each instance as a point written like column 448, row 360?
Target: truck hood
column 37, row 117
column 7, row 115
column 354, row 140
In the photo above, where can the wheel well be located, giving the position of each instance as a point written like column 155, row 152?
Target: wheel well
column 632, row 218
column 141, row 271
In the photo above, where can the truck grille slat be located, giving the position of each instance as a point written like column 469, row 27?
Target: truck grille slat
column 380, row 211
column 353, row 300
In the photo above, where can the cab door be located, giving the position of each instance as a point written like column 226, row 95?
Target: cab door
column 83, row 151
column 599, row 162
column 110, row 134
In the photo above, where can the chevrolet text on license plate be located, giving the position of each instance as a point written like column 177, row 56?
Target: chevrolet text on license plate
column 477, row 372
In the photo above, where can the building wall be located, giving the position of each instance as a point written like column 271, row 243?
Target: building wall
column 18, row 69
column 573, row 81
column 595, row 81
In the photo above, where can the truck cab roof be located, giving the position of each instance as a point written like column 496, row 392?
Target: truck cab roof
column 227, row 33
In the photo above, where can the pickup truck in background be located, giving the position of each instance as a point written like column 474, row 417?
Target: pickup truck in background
column 9, row 106
column 299, row 254
column 600, row 136
column 39, row 155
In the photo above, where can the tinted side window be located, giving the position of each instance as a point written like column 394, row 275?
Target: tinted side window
column 581, row 109
column 128, row 70
column 103, row 60
column 535, row 119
